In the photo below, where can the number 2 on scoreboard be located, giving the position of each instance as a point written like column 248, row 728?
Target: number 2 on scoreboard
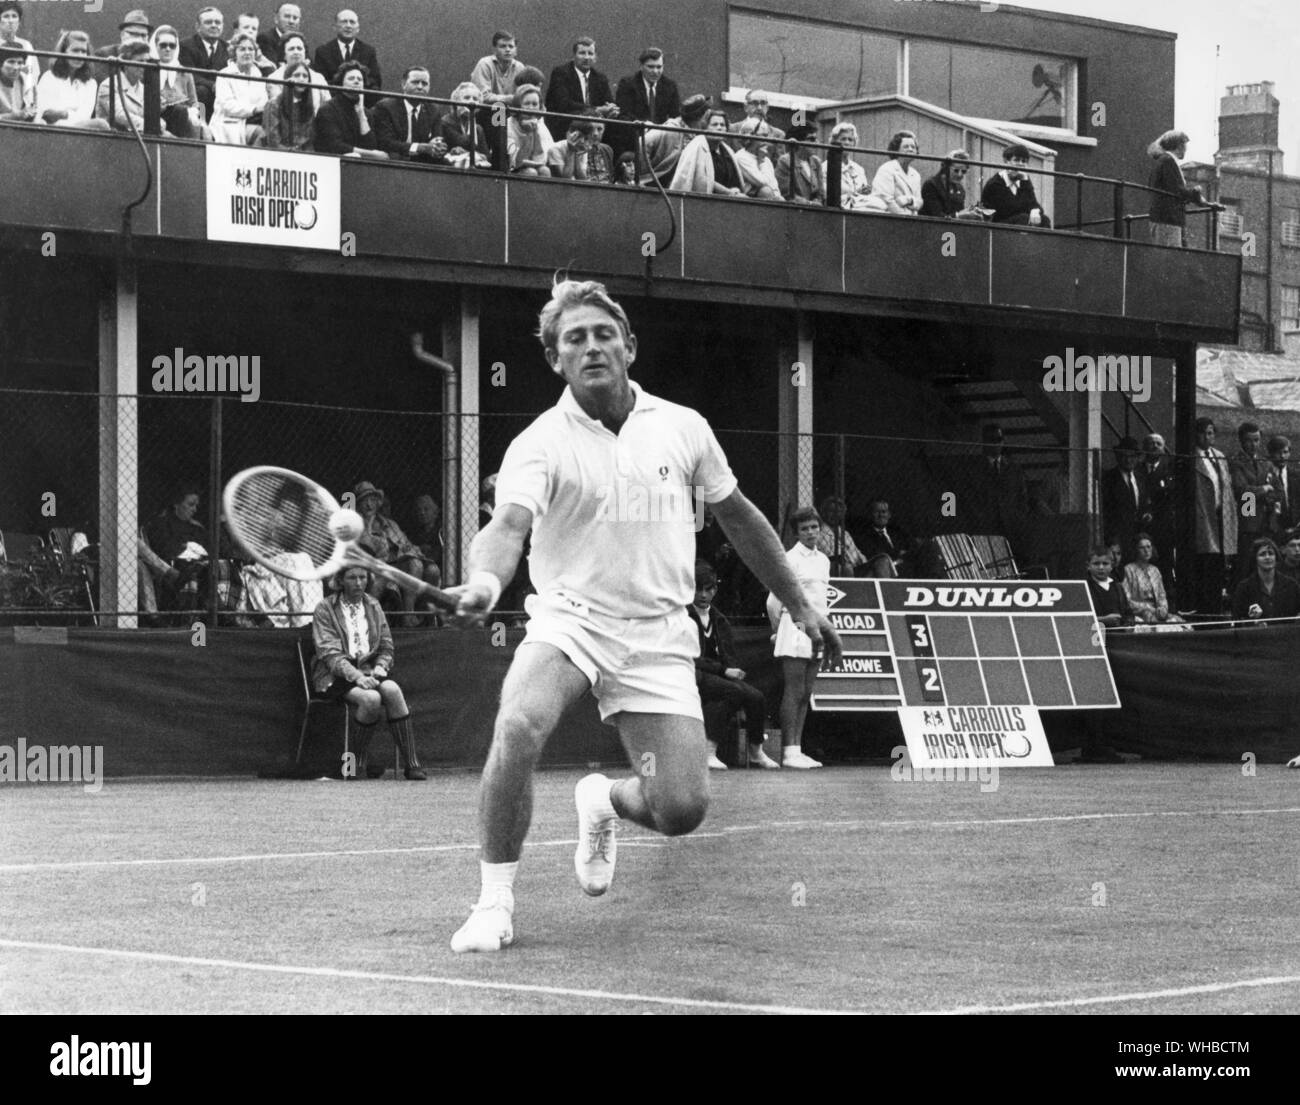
column 931, row 679
column 931, row 685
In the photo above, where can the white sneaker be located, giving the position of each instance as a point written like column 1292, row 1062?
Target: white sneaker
column 759, row 758
column 798, row 760
column 489, row 929
column 597, row 845
column 1293, row 763
column 716, row 764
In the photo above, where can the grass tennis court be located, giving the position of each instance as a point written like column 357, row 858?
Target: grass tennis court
column 243, row 896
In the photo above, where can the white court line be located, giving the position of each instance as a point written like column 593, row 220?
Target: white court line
column 422, row 980
column 646, row 841
column 1111, row 999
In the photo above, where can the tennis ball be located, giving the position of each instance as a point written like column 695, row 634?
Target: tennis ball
column 346, row 525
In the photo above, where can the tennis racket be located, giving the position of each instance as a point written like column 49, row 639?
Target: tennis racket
column 282, row 520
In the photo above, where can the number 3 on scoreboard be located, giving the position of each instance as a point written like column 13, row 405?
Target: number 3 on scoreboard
column 921, row 639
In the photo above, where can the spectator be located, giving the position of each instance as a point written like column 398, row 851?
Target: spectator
column 239, row 104
column 943, row 196
column 342, row 125
column 152, row 571
column 756, row 108
column 128, row 90
column 896, row 188
column 707, row 164
column 249, row 24
column 347, row 46
column 757, row 173
column 854, row 186
column 404, row 128
column 1282, row 474
column 1214, row 520
column 720, row 679
column 288, row 21
column 175, row 538
column 1000, row 491
column 290, row 119
column 181, row 113
column 1125, row 504
column 647, row 96
column 464, row 138
column 497, row 74
column 663, row 148
column 268, row 599
column 11, row 20
column 354, row 655
column 206, row 50
column 530, row 74
column 836, row 542
column 294, row 49
column 625, row 170
column 527, row 140
column 1010, row 193
column 578, row 88
column 568, row 160
column 799, row 170
column 600, row 158
column 426, row 534
column 887, row 550
column 383, row 538
column 1157, row 469
column 798, row 664
column 13, row 86
column 1289, row 565
column 134, row 28
column 1265, row 593
column 1252, row 496
column 1167, row 214
column 1144, row 588
column 66, row 92
column 1108, row 598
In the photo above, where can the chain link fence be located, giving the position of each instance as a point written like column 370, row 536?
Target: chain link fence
column 81, row 464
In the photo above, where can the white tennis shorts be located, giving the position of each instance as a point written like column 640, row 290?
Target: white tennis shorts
column 641, row 665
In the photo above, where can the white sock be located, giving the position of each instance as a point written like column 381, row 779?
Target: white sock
column 498, row 882
column 607, row 806
column 790, row 751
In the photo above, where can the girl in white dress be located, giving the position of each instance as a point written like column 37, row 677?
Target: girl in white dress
column 793, row 648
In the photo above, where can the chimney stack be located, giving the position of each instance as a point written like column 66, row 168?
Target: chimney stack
column 1248, row 118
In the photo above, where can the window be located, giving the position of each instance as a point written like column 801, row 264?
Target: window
column 1290, row 321
column 1230, row 220
column 816, row 60
column 1291, row 226
column 830, row 62
column 993, row 84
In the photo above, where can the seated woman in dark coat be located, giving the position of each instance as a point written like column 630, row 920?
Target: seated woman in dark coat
column 1265, row 593
column 943, row 196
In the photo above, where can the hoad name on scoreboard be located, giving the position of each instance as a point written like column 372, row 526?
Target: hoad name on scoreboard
column 979, row 732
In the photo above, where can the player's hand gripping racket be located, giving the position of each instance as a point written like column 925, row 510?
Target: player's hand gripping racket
column 296, row 528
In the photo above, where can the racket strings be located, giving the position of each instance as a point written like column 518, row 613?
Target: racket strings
column 281, row 518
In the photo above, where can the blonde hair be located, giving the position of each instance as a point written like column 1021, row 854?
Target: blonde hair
column 567, row 294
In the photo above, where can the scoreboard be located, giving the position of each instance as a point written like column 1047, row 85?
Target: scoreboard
column 937, row 643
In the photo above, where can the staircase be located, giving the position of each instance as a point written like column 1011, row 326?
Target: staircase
column 1034, row 431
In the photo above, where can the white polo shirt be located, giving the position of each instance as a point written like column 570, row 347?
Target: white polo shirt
column 614, row 515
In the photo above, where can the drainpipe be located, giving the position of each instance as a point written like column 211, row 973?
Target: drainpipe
column 450, row 451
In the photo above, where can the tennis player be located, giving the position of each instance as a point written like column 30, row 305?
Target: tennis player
column 606, row 482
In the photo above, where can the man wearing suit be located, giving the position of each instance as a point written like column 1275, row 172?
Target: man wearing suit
column 647, row 95
column 1125, row 502
column 404, row 128
column 206, row 50
column 1251, row 495
column 885, row 539
column 288, row 21
column 1010, row 195
column 998, row 489
column 578, row 88
column 342, row 125
column 1215, row 521
column 346, row 46
column 1284, row 489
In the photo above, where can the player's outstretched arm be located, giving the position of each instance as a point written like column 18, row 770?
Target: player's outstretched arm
column 759, row 547
column 493, row 558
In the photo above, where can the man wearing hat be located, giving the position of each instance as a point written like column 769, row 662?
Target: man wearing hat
column 664, row 147
column 383, row 539
column 134, row 28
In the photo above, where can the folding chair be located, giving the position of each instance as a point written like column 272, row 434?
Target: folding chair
column 312, row 698
column 957, row 556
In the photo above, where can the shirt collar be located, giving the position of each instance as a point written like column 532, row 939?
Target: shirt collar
column 644, row 401
column 802, row 550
